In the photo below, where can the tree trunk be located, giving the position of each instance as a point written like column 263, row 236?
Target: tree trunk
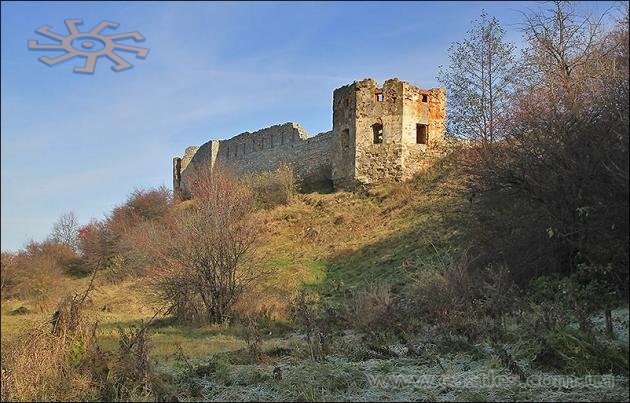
column 609, row 324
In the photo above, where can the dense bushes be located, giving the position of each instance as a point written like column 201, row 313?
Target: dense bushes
column 111, row 244
column 40, row 270
column 195, row 250
column 550, row 197
column 452, row 297
column 452, row 306
column 37, row 271
column 577, row 297
column 371, row 310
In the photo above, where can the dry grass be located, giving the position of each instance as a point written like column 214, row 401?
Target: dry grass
column 304, row 243
column 332, row 242
column 47, row 362
column 125, row 304
column 37, row 368
column 343, row 240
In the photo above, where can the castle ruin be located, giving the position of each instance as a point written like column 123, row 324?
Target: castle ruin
column 379, row 134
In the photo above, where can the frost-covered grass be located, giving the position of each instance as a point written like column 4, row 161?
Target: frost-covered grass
column 620, row 324
column 349, row 374
column 459, row 377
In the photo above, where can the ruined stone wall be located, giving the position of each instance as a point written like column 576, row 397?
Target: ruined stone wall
column 349, row 154
column 343, row 144
column 263, row 150
column 194, row 161
column 267, row 149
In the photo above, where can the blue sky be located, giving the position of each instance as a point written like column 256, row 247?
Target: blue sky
column 83, row 142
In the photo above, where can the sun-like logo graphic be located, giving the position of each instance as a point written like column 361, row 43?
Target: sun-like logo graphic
column 90, row 45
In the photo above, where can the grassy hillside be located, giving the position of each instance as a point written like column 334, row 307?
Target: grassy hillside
column 341, row 241
column 328, row 242
column 332, row 244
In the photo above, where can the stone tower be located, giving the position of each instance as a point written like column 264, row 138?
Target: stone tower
column 384, row 133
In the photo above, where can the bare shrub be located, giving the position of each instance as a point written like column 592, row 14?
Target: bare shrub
column 9, row 273
column 131, row 374
column 141, row 206
column 201, row 248
column 370, row 310
column 46, row 364
column 66, row 231
column 251, row 331
column 317, row 320
column 447, row 296
column 273, row 188
column 97, row 244
column 445, row 287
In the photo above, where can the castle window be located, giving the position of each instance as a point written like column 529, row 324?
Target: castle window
column 345, row 102
column 422, row 135
column 379, row 97
column 425, row 98
column 377, row 130
column 345, row 139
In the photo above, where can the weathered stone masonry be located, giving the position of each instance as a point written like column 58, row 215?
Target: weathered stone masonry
column 379, row 134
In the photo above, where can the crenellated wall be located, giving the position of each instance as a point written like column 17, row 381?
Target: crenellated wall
column 348, row 155
column 263, row 150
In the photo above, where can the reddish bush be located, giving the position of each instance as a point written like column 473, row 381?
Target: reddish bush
column 36, row 271
column 199, row 251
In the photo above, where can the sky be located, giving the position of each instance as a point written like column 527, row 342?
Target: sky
column 82, row 143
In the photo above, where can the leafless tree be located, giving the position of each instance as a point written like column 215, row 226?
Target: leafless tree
column 200, row 255
column 66, row 231
column 480, row 79
column 568, row 54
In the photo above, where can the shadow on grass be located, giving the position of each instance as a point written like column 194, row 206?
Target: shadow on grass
column 432, row 223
